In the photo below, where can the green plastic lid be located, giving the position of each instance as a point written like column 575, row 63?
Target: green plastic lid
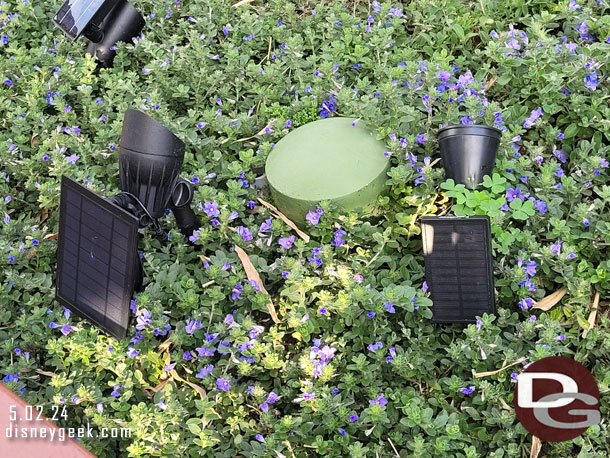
column 329, row 159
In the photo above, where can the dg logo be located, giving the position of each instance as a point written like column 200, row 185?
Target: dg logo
column 557, row 399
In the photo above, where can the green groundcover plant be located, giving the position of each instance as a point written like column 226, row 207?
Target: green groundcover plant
column 354, row 367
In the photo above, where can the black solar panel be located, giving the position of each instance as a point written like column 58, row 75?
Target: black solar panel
column 459, row 267
column 96, row 257
column 75, row 15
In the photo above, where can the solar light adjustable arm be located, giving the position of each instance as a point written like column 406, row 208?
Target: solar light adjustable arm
column 182, row 196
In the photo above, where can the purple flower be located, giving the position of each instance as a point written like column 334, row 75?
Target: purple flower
column 66, row 329
column 205, row 371
column 465, row 80
column 314, row 217
column 469, row 390
column 193, row 238
column 260, row 438
column 223, row 384
column 560, row 155
column 211, row 209
column 205, row 351
column 322, row 311
column 541, row 206
column 389, row 306
column 444, row 76
column 591, row 81
column 338, row 241
column 245, row 233
column 466, row 120
column 327, row 353
column 132, row 352
column 353, row 418
column 556, row 248
column 328, row 106
column 341, row 431
column 370, row 314
column 513, row 44
column 603, row 163
column 424, row 286
column 561, row 337
column 381, row 401
column 421, row 138
column 143, row 319
column 192, row 326
column 115, row 391
column 530, row 268
column 585, row 221
column 309, row 396
column 526, row 303
column 534, row 115
column 513, row 193
column 376, row 346
column 237, row 290
column 72, row 159
column 286, row 242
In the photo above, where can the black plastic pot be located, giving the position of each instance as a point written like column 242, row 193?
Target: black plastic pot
column 469, row 152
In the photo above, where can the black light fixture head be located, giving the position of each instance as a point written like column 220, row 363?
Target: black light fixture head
column 103, row 22
column 150, row 161
column 469, row 152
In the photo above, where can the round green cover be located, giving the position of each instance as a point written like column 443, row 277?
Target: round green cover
column 329, row 159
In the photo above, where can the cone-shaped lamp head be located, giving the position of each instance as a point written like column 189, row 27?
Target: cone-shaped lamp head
column 150, row 160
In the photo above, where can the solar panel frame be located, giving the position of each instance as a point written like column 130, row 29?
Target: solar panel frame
column 460, row 276
column 86, row 246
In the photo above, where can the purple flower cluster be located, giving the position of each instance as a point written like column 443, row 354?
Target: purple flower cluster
column 271, row 398
column 338, row 238
column 315, row 260
column 314, row 216
column 328, row 106
column 530, row 271
column 320, row 356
